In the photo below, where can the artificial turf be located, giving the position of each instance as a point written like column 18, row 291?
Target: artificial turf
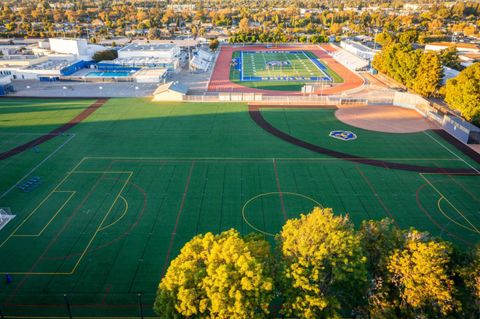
column 255, row 65
column 126, row 188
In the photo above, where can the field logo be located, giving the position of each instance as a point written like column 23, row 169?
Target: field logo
column 343, row 135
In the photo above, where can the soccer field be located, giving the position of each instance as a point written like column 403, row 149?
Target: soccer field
column 124, row 188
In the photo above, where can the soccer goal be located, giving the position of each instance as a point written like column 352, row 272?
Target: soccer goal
column 5, row 216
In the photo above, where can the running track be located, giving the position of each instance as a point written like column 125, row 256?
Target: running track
column 58, row 131
column 220, row 81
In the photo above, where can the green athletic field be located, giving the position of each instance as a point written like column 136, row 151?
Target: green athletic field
column 298, row 65
column 123, row 191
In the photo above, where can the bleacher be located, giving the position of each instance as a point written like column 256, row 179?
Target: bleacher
column 202, row 60
column 350, row 60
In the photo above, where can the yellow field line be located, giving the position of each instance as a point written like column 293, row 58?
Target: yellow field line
column 41, row 203
column 451, row 219
column 446, row 199
column 72, row 193
column 245, row 219
column 101, row 223
column 58, row 191
column 117, row 220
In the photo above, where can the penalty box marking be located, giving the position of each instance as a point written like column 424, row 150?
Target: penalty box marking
column 474, row 229
column 72, row 193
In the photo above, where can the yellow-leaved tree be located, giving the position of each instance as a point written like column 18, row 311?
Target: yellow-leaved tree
column 223, row 276
column 322, row 266
column 420, row 271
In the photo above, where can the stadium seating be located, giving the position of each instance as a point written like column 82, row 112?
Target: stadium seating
column 350, row 60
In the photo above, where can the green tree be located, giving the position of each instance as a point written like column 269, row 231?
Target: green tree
column 429, row 74
column 214, row 44
column 470, row 274
column 379, row 241
column 408, row 37
column 322, row 266
column 420, row 271
column 449, row 58
column 105, row 55
column 154, row 33
column 385, row 38
column 463, row 93
column 218, row 276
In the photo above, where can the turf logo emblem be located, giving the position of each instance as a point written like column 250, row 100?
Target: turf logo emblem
column 343, row 135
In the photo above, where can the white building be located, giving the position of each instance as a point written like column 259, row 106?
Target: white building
column 172, row 91
column 150, row 76
column 202, row 60
column 149, row 50
column 359, row 49
column 461, row 47
column 79, row 48
column 150, row 54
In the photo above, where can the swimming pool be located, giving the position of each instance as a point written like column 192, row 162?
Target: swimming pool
column 107, row 74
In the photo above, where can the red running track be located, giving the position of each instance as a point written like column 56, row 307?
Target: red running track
column 60, row 130
column 220, row 80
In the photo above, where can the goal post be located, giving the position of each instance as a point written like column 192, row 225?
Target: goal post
column 5, row 216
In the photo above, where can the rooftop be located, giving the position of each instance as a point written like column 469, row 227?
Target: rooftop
column 457, row 44
column 51, row 65
column 139, row 61
column 148, row 47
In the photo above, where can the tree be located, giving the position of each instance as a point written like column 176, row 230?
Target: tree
column 462, row 93
column 154, row 33
column 105, row 55
column 218, row 276
column 385, row 38
column 244, row 25
column 322, row 265
column 470, row 274
column 214, row 44
column 379, row 241
column 449, row 58
column 420, row 271
column 429, row 74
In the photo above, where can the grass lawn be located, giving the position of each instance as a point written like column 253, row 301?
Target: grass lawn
column 124, row 190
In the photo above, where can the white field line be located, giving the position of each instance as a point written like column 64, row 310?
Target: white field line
column 450, row 151
column 37, row 166
column 321, row 71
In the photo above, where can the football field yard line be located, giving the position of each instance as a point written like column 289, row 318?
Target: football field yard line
column 448, row 201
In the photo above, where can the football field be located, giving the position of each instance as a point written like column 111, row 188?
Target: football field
column 280, row 69
column 126, row 182
column 280, row 65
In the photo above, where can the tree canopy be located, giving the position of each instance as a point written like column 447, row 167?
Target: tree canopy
column 106, row 55
column 462, row 93
column 218, row 276
column 322, row 263
column 421, row 273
